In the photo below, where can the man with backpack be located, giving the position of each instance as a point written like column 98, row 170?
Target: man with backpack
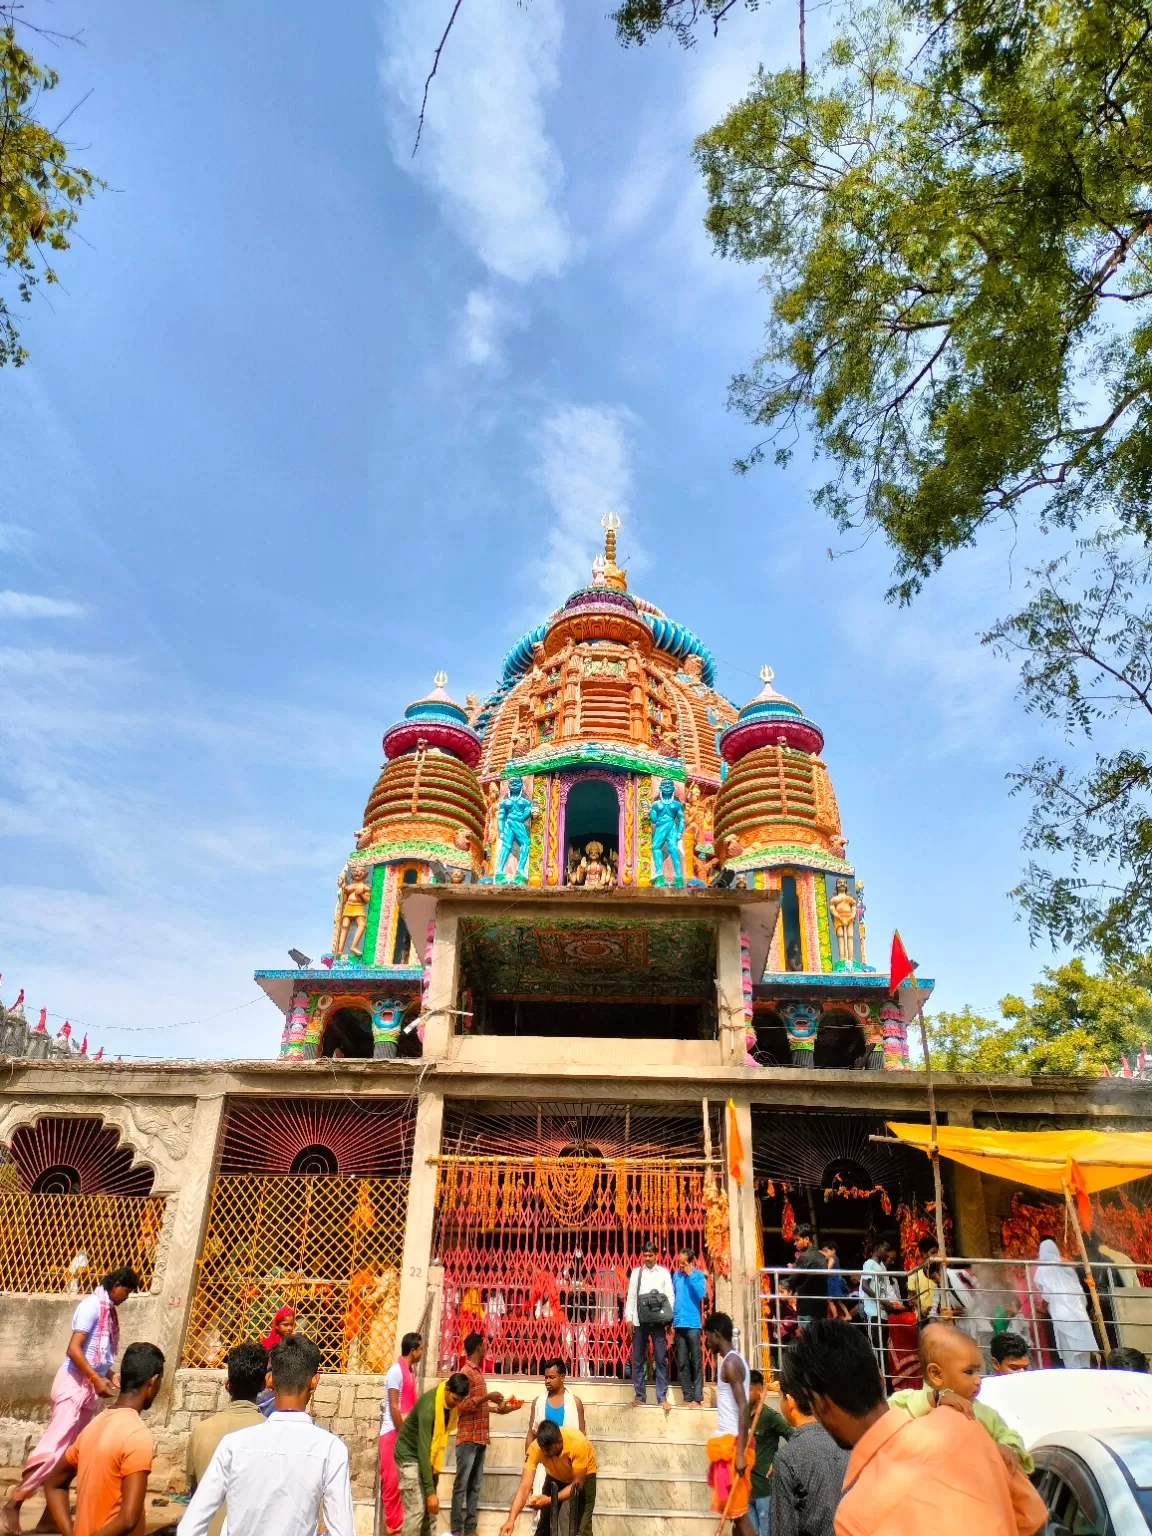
column 648, row 1309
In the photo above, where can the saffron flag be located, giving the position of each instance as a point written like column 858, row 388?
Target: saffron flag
column 1080, row 1193
column 735, row 1145
column 900, row 968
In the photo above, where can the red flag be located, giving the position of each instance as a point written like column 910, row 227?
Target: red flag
column 99, row 1056
column 900, row 968
column 735, row 1146
column 42, row 1026
column 19, row 1003
column 65, row 1032
column 1080, row 1194
column 84, row 1046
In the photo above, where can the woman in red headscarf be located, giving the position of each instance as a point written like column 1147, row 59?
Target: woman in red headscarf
column 283, row 1326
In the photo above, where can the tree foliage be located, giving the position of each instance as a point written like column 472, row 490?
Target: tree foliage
column 954, row 215
column 1085, row 655
column 1075, row 1023
column 40, row 190
column 639, row 20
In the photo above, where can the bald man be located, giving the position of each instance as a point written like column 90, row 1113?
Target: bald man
column 951, row 1362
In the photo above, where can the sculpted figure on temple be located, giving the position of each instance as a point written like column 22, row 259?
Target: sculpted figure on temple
column 667, row 817
column 573, row 876
column 842, row 906
column 364, row 837
column 492, row 795
column 354, row 895
column 594, row 871
column 514, row 823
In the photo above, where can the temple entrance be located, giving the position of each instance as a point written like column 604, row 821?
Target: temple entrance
column 541, row 1217
column 840, row 1042
column 348, row 1031
column 592, row 834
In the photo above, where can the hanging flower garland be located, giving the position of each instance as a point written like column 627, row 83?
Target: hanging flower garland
column 852, row 1192
column 787, row 1221
column 914, row 1224
column 565, row 1185
column 716, row 1230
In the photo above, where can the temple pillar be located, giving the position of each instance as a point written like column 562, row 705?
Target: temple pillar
column 182, row 1236
column 443, row 986
column 415, row 1282
column 969, row 1213
column 742, row 1232
column 730, row 988
column 802, row 1021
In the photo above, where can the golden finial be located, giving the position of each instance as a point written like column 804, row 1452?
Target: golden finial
column 613, row 575
column 441, row 678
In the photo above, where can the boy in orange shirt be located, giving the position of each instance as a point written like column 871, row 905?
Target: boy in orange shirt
column 112, row 1457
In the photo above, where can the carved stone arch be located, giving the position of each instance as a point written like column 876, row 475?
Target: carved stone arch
column 156, row 1133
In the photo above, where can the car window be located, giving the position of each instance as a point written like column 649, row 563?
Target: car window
column 1074, row 1498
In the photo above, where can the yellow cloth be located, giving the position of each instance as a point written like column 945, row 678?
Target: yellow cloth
column 1106, row 1158
column 921, row 1292
column 440, row 1430
column 576, row 1458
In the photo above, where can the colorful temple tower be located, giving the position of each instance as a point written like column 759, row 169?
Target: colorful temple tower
column 604, row 760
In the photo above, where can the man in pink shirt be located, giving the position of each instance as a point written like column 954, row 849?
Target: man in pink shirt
column 940, row 1475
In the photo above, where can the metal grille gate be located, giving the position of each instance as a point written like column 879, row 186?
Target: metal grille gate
column 537, row 1252
column 330, row 1247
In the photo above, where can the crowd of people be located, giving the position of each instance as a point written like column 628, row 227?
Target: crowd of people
column 845, row 1455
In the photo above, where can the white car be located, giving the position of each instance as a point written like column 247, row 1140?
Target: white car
column 1095, row 1484
column 1090, row 1435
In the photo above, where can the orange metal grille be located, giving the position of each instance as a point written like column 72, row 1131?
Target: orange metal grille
column 62, row 1243
column 329, row 1247
column 537, row 1252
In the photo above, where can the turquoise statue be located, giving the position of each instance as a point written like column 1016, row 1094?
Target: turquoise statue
column 667, row 818
column 514, row 823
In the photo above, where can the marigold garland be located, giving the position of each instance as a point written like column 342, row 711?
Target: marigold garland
column 716, row 1230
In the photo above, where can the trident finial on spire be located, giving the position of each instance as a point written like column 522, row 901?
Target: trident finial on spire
column 610, row 522
column 441, row 678
column 766, row 673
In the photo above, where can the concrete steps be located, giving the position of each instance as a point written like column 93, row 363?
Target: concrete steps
column 651, row 1466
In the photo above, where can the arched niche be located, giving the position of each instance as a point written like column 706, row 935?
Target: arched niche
column 349, row 1031
column 75, row 1155
column 772, row 1048
column 840, row 1041
column 591, row 814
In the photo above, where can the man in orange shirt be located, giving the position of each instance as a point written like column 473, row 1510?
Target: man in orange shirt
column 940, row 1475
column 112, row 1457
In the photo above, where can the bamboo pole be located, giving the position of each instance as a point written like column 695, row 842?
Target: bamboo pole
column 1093, row 1292
column 934, row 1150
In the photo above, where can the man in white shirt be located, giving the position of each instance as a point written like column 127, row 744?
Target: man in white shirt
column 277, row 1477
column 648, row 1309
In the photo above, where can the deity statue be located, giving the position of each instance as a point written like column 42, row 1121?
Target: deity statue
column 353, row 895
column 594, row 872
column 667, row 817
column 842, row 906
column 573, row 873
column 514, row 823
column 472, row 706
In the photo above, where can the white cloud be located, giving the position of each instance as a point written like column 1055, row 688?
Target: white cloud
column 486, row 318
column 585, row 472
column 485, row 152
column 28, row 605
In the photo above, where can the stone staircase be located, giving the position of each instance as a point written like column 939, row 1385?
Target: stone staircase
column 650, row 1466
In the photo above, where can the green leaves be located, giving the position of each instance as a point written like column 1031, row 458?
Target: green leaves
column 1076, row 1023
column 40, row 192
column 954, row 217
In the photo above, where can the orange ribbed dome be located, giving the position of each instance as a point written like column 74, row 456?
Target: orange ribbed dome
column 777, row 795
column 427, row 786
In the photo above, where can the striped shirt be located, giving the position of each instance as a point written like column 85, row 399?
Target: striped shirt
column 807, row 1476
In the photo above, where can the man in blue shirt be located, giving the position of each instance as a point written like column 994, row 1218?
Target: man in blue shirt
column 690, row 1286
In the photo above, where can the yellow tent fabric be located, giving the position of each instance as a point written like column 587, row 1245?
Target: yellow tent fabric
column 1040, row 1159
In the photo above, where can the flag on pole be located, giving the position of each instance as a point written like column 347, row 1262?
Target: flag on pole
column 84, row 1046
column 42, row 1026
column 99, row 1056
column 64, row 1033
column 900, row 968
column 735, row 1145
column 1080, row 1194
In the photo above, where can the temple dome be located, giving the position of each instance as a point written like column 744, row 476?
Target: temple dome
column 420, row 794
column 436, row 721
column 777, row 793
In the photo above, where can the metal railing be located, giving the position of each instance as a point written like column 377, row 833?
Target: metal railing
column 981, row 1296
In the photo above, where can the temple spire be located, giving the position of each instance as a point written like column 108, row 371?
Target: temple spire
column 613, row 576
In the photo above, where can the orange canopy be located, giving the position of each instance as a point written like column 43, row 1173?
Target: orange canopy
column 1040, row 1159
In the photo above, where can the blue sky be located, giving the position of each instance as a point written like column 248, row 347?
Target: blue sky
column 310, row 419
